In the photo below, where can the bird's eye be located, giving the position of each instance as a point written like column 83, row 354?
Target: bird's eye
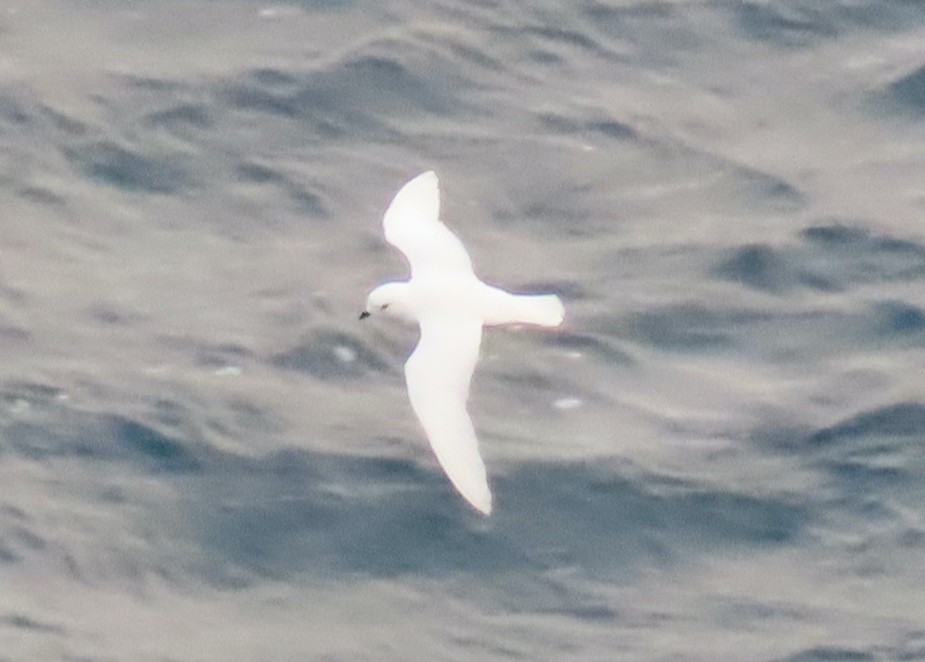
column 384, row 306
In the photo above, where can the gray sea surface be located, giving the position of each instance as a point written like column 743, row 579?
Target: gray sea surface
column 721, row 456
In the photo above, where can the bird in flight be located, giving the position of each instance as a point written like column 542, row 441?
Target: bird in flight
column 450, row 305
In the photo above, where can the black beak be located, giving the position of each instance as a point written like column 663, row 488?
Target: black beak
column 364, row 314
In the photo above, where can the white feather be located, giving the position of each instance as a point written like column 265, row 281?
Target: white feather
column 451, row 305
column 412, row 224
column 438, row 375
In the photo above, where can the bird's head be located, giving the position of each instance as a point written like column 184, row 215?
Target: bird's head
column 389, row 299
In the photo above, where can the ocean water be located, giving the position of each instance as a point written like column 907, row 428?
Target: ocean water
column 204, row 456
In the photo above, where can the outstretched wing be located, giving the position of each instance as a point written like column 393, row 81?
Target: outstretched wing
column 438, row 374
column 412, row 224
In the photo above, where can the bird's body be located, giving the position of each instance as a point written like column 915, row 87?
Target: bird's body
column 465, row 296
column 450, row 305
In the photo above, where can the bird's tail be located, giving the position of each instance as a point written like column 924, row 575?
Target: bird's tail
column 538, row 309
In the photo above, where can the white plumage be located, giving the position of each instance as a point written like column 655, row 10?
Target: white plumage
column 450, row 305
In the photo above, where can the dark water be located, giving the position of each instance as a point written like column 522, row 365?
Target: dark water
column 203, row 456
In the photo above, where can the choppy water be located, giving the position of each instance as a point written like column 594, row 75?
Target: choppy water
column 203, row 456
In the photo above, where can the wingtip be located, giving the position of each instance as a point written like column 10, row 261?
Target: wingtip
column 480, row 498
column 418, row 198
column 427, row 177
column 430, row 178
column 484, row 508
column 560, row 312
column 476, row 495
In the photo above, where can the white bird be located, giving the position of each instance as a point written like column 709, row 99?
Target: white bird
column 450, row 305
